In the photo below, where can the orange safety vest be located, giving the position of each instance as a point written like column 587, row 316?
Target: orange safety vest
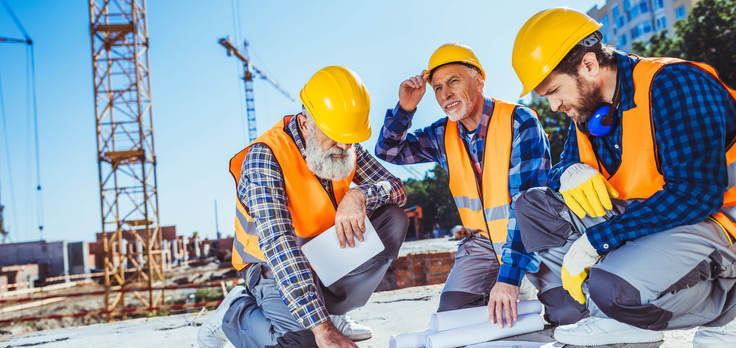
column 483, row 206
column 312, row 210
column 638, row 175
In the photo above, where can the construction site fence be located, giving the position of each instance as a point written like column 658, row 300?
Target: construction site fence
column 128, row 310
column 210, row 284
column 6, row 287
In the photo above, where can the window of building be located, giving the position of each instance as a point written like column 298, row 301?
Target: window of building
column 621, row 21
column 643, row 7
column 658, row 4
column 635, row 32
column 627, row 5
column 622, row 40
column 680, row 12
column 646, row 27
column 632, row 13
column 605, row 27
column 661, row 23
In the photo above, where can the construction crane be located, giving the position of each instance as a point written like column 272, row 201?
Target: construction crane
column 126, row 158
column 248, row 71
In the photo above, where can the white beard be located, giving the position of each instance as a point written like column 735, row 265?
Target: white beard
column 322, row 163
column 458, row 114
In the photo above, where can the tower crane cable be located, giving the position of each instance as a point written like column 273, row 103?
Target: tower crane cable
column 31, row 76
column 39, row 191
column 26, row 38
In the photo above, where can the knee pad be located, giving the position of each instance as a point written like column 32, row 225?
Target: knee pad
column 620, row 300
column 560, row 308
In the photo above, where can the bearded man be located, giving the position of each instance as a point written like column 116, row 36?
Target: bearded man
column 638, row 222
column 293, row 183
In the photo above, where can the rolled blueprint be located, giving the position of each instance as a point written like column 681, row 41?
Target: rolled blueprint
column 409, row 340
column 464, row 317
column 477, row 333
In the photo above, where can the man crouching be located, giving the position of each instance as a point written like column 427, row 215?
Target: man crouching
column 294, row 183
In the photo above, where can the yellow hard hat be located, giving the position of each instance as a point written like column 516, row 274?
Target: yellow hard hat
column 339, row 104
column 544, row 40
column 453, row 53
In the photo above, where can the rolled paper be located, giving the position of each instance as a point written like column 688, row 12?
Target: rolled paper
column 477, row 315
column 409, row 340
column 477, row 333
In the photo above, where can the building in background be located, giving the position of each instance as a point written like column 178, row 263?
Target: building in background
column 626, row 21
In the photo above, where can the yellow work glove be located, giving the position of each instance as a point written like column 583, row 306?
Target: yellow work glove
column 575, row 267
column 585, row 190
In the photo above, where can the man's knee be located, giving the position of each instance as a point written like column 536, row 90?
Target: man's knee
column 560, row 308
column 391, row 224
column 537, row 215
column 452, row 300
column 620, row 300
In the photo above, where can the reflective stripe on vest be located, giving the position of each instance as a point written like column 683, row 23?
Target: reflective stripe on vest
column 638, row 175
column 487, row 211
column 312, row 211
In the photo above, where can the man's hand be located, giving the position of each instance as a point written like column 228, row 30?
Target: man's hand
column 411, row 92
column 575, row 266
column 327, row 335
column 585, row 190
column 350, row 218
column 502, row 302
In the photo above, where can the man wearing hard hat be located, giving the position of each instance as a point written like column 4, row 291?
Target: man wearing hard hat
column 293, row 183
column 493, row 150
column 642, row 203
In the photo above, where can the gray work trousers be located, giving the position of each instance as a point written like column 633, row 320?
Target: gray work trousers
column 472, row 275
column 260, row 318
column 678, row 278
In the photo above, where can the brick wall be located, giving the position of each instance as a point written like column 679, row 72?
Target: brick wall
column 418, row 269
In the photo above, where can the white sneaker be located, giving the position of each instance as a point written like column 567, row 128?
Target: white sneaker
column 716, row 337
column 350, row 328
column 210, row 334
column 599, row 331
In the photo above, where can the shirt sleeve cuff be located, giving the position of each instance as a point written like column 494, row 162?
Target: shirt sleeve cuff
column 311, row 313
column 400, row 114
column 598, row 239
column 510, row 274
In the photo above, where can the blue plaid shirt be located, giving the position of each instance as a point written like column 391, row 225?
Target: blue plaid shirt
column 693, row 115
column 530, row 161
column 261, row 189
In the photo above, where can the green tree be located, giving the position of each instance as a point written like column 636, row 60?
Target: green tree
column 433, row 195
column 554, row 123
column 708, row 35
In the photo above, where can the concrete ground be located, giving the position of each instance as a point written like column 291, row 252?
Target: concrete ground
column 388, row 313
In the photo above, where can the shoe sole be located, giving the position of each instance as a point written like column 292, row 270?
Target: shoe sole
column 360, row 337
column 596, row 341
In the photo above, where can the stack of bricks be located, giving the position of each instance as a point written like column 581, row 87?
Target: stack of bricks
column 420, row 269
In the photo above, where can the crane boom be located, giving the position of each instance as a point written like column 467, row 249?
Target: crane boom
column 248, row 70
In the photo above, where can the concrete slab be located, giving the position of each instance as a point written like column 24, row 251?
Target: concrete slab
column 388, row 313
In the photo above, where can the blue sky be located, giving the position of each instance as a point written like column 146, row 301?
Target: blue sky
column 198, row 104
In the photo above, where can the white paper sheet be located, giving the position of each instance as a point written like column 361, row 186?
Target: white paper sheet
column 477, row 333
column 331, row 262
column 463, row 317
column 409, row 340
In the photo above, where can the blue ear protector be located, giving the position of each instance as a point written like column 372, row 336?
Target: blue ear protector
column 605, row 118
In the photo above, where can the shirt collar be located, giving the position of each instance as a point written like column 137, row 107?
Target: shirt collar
column 487, row 110
column 625, row 77
column 292, row 128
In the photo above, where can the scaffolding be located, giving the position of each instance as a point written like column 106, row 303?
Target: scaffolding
column 125, row 153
